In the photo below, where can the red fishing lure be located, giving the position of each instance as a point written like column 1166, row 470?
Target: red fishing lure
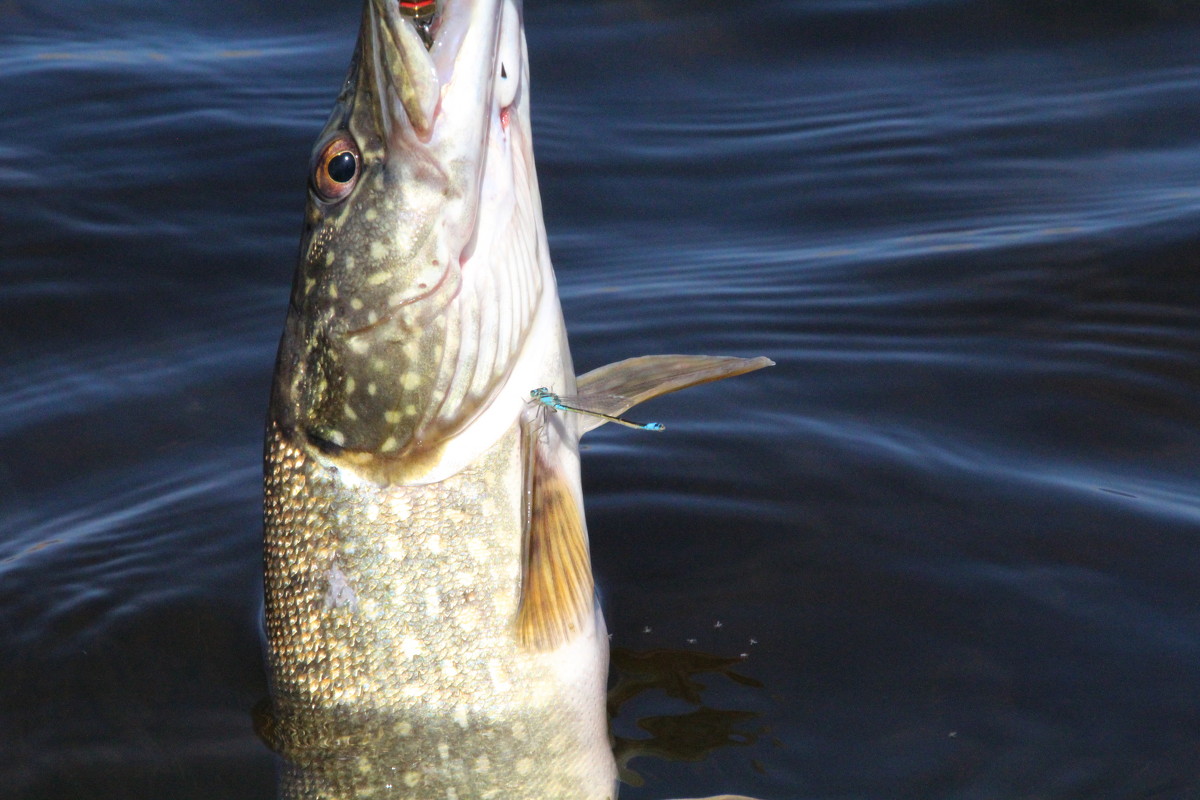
column 418, row 9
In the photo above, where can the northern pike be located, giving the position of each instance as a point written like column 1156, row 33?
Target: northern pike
column 431, row 618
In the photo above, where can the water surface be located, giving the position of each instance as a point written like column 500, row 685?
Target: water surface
column 953, row 532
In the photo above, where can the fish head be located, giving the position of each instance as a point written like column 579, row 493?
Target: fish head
column 422, row 257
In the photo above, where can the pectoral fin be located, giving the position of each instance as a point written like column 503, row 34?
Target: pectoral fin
column 556, row 584
column 615, row 388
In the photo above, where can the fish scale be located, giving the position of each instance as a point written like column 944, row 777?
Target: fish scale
column 437, row 689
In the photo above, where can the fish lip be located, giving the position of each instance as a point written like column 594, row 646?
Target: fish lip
column 406, row 81
column 433, row 107
column 414, row 94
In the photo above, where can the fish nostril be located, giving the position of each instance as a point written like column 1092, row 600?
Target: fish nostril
column 508, row 82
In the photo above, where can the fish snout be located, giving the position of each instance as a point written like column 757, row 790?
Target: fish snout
column 431, row 59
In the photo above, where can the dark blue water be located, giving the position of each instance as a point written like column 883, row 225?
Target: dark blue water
column 955, row 532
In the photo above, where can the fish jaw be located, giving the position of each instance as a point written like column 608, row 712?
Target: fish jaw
column 416, row 292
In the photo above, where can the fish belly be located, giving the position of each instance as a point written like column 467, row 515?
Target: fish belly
column 390, row 622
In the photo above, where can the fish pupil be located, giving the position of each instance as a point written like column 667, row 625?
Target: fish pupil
column 342, row 167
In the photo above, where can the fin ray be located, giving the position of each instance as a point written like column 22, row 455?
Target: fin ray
column 615, row 388
column 557, row 589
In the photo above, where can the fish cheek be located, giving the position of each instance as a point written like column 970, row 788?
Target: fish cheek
column 319, row 392
column 364, row 395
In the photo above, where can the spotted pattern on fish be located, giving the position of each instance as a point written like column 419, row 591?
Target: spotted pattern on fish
column 355, row 660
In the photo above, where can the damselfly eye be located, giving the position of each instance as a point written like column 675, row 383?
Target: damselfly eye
column 336, row 169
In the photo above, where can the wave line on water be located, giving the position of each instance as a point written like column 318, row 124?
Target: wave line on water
column 116, row 510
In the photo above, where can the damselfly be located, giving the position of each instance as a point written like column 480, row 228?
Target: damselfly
column 556, row 402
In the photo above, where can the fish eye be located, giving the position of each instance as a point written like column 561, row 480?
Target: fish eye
column 337, row 169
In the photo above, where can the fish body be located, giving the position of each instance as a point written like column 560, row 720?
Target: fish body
column 431, row 621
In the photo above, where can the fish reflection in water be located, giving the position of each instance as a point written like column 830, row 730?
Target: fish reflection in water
column 359, row 755
column 689, row 736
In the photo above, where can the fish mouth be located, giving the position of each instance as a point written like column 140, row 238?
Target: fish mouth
column 418, row 101
column 433, row 61
column 428, row 82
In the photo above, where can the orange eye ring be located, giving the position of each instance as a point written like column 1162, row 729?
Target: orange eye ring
column 337, row 169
